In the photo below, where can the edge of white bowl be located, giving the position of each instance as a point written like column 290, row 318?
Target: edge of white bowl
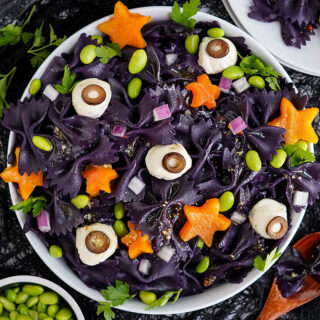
column 210, row 296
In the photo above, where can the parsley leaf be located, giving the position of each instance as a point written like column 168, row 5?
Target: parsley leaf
column 105, row 53
column 163, row 300
column 26, row 37
column 105, row 307
column 67, row 81
column 36, row 204
column 5, row 80
column 261, row 264
column 39, row 57
column 273, row 83
column 189, row 9
column 298, row 155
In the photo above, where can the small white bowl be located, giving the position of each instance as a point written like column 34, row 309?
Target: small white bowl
column 22, row 280
column 210, row 296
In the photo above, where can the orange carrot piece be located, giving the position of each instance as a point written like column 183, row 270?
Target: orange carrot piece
column 298, row 123
column 26, row 183
column 204, row 222
column 204, row 92
column 99, row 178
column 125, row 27
column 135, row 242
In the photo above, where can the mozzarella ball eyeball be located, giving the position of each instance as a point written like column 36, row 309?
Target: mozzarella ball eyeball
column 91, row 97
column 217, row 54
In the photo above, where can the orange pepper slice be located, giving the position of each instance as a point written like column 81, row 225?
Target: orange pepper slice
column 99, row 178
column 298, row 123
column 204, row 92
column 204, row 221
column 125, row 27
column 135, row 242
column 26, row 183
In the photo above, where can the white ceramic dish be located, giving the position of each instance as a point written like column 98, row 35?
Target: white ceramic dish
column 305, row 60
column 212, row 295
column 21, row 280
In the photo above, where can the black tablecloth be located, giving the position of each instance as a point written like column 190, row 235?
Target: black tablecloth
column 16, row 254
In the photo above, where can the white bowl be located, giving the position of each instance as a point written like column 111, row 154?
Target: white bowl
column 21, row 280
column 210, row 296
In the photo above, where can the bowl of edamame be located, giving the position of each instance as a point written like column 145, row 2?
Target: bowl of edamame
column 33, row 298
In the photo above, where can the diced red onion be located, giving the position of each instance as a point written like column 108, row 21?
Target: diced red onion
column 136, row 185
column 43, row 220
column 161, row 112
column 165, row 253
column 119, row 130
column 225, row 84
column 144, row 266
column 237, row 125
column 241, row 85
column 171, row 58
column 237, row 217
column 300, row 198
column 51, row 92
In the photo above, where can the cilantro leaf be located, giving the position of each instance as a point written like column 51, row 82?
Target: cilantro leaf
column 39, row 39
column 10, row 34
column 273, row 83
column 39, row 57
column 261, row 264
column 298, row 155
column 36, row 204
column 67, row 81
column 5, row 80
column 105, row 308
column 163, row 300
column 105, row 53
column 53, row 38
column 26, row 37
column 189, row 9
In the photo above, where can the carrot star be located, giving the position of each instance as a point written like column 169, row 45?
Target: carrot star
column 298, row 123
column 135, row 242
column 99, row 178
column 204, row 92
column 204, row 221
column 125, row 27
column 26, row 183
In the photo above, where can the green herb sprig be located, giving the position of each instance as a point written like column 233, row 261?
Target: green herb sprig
column 298, row 155
column 34, row 204
column 163, row 300
column 68, row 82
column 189, row 9
column 105, row 53
column 263, row 265
column 5, row 80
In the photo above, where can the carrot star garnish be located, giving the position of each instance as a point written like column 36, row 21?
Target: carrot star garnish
column 99, row 178
column 298, row 123
column 135, row 242
column 204, row 221
column 26, row 183
column 125, row 27
column 204, row 92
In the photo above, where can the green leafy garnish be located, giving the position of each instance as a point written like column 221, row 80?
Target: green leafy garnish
column 68, row 82
column 38, row 58
column 116, row 295
column 5, row 80
column 298, row 155
column 273, row 83
column 261, row 264
column 189, row 9
column 36, row 204
column 105, row 53
column 163, row 300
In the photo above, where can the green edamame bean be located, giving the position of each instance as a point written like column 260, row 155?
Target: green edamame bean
column 134, row 88
column 147, row 297
column 55, row 251
column 215, row 32
column 138, row 61
column 49, row 298
column 192, row 43
column 64, row 314
column 32, row 301
column 52, row 310
column 23, row 317
column 42, row 143
column 302, row 144
column 99, row 38
column 120, row 228
column 41, row 308
column 226, row 201
column 22, row 309
column 253, row 160
column 10, row 295
column 257, row 82
column 80, row 201
column 32, row 289
column 48, row 318
column 13, row 315
column 233, row 72
column 118, row 210
column 279, row 159
column 200, row 243
column 22, row 297
column 35, row 86
column 1, row 308
column 42, row 316
column 7, row 305
column 5, row 313
column 4, row 318
column 203, row 265
column 88, row 54
column 33, row 314
column 16, row 290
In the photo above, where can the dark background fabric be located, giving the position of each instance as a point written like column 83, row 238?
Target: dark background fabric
column 16, row 254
